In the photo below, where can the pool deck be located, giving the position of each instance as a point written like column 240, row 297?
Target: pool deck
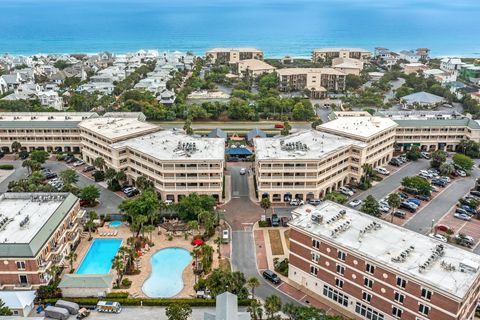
column 160, row 239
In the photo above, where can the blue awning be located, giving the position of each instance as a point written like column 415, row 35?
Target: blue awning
column 238, row 152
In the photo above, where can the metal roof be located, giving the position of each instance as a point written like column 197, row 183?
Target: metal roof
column 86, row 281
column 439, row 123
column 31, row 249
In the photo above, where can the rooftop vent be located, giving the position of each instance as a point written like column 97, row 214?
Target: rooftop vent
column 403, row 255
column 336, row 217
column 437, row 252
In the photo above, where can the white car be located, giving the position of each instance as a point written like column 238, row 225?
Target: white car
column 78, row 163
column 425, row 174
column 355, row 203
column 346, row 191
column 296, row 202
column 243, row 171
column 383, row 208
column 439, row 237
column 461, row 173
column 383, row 171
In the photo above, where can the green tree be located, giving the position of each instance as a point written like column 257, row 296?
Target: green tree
column 189, row 207
column 302, row 112
column 265, row 204
column 121, row 176
column 110, row 174
column 418, row 183
column 178, row 311
column 273, row 304
column 438, row 157
column 188, row 126
column 146, row 204
column 149, row 229
column 298, row 312
column 54, row 271
column 255, row 309
column 446, row 169
column 31, row 165
column 394, row 201
column 90, row 193
column 68, row 176
column 39, row 155
column 16, row 146
column 90, row 224
column 353, row 82
column 119, row 266
column 219, row 281
column 252, row 284
column 4, row 310
column 193, row 225
column 463, row 161
column 143, row 183
column 99, row 163
column 469, row 148
column 316, row 123
column 71, row 257
column 336, row 197
column 286, row 128
column 414, row 153
column 370, row 206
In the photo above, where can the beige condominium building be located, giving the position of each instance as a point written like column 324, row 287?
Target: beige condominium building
column 232, row 55
column 328, row 54
column 254, row 68
column 310, row 163
column 348, row 65
column 51, row 131
column 176, row 163
column 316, row 80
column 37, row 230
column 372, row 269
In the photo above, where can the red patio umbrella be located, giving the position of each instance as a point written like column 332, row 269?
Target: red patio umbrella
column 197, row 242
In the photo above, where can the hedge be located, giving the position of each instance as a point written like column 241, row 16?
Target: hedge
column 6, row 166
column 148, row 301
column 117, row 295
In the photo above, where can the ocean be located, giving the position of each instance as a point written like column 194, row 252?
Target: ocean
column 279, row 27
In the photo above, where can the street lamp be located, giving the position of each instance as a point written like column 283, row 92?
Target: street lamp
column 433, row 222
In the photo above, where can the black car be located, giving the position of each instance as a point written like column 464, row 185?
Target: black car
column 132, row 193
column 1, row 154
column 23, row 155
column 475, row 193
column 400, row 214
column 403, row 195
column 271, row 276
column 395, row 162
column 423, row 197
column 275, row 220
column 438, row 182
column 408, row 206
column 88, row 168
column 50, row 175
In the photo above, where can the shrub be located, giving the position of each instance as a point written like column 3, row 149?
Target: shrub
column 6, row 166
column 126, row 283
column 119, row 295
column 99, row 176
column 263, row 224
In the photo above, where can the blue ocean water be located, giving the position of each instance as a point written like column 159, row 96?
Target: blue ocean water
column 279, row 27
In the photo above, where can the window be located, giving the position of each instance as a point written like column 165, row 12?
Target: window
column 23, row 279
column 366, row 296
column 315, row 257
column 315, row 243
column 368, row 283
column 340, row 269
column 401, row 282
column 313, row 270
column 341, row 255
column 423, row 309
column 370, row 268
column 399, row 297
column 335, row 295
column 21, row 265
column 426, row 294
column 397, row 312
column 339, row 282
column 368, row 313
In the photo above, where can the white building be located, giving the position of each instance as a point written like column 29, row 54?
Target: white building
column 21, row 303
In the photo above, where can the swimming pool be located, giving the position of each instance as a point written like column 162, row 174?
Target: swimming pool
column 98, row 259
column 115, row 224
column 167, row 269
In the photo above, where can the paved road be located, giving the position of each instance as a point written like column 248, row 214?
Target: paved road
column 393, row 181
column 109, row 201
column 437, row 208
column 241, row 213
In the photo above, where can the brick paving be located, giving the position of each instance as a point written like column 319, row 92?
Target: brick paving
column 260, row 249
column 241, row 213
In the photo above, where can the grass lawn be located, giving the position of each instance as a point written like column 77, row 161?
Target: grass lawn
column 286, row 234
column 275, row 242
column 224, row 264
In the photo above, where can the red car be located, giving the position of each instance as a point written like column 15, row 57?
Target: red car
column 442, row 227
column 84, row 203
column 279, row 126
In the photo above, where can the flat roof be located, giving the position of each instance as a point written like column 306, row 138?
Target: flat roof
column 363, row 127
column 341, row 49
column 302, row 145
column 451, row 269
column 234, row 49
column 294, row 71
column 176, row 145
column 43, row 119
column 255, row 64
column 27, row 220
column 116, row 128
column 465, row 122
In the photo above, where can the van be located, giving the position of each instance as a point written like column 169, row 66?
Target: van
column 109, row 307
column 383, row 171
column 72, row 307
column 56, row 313
column 314, row 202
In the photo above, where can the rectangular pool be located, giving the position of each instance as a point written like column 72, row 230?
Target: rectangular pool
column 98, row 259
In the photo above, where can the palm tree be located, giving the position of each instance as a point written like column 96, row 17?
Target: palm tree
column 121, row 176
column 253, row 283
column 149, row 229
column 265, row 204
column 138, row 222
column 99, row 163
column 16, row 146
column 394, row 202
column 54, row 270
column 255, row 309
column 193, row 225
column 72, row 256
column 128, row 255
column 92, row 215
column 119, row 266
column 273, row 304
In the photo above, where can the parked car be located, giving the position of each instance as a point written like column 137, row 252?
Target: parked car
column 460, row 173
column 275, row 220
column 423, row 197
column 88, row 168
column 438, row 237
column 403, row 195
column 23, row 155
column 442, row 227
column 409, row 206
column 346, row 191
column 464, row 240
column 462, row 211
column 50, row 175
column 225, row 236
column 132, row 192
column 475, row 193
column 438, row 182
column 433, row 189
column 314, row 202
column 278, row 125
column 296, row 202
column 78, row 163
column 243, row 171
column 400, row 214
column 445, row 178
column 415, row 201
column 425, row 155
column 383, row 208
column 461, row 216
column 355, row 203
column 383, row 171
column 468, row 209
column 395, row 162
column 271, row 276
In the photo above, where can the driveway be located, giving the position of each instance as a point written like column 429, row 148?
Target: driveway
column 109, row 201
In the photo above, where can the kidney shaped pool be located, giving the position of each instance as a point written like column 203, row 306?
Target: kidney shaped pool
column 167, row 268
